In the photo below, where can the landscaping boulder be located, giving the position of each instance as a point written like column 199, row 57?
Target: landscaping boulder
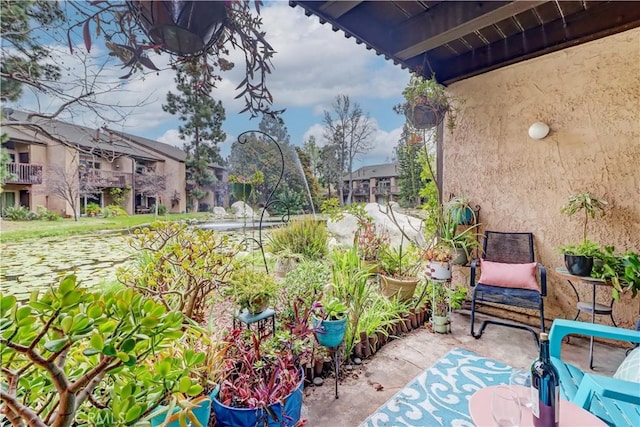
column 388, row 217
column 241, row 210
column 219, row 211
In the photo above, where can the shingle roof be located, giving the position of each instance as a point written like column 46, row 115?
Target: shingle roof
column 162, row 148
column 76, row 135
column 385, row 170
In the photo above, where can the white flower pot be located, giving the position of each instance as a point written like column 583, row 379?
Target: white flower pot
column 440, row 270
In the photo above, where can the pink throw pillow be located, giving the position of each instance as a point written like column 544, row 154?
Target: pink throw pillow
column 522, row 276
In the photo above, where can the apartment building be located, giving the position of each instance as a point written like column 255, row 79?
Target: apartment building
column 92, row 163
column 174, row 166
column 373, row 184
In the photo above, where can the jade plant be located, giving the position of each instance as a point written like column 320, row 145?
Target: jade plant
column 180, row 266
column 71, row 356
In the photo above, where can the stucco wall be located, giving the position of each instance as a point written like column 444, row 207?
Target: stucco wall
column 590, row 97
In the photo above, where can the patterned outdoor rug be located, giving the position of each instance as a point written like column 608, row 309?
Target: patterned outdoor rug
column 440, row 395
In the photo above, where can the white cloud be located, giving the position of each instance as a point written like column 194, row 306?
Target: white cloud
column 312, row 65
column 171, row 137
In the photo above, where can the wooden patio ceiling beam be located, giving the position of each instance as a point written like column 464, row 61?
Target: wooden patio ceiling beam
column 450, row 21
column 579, row 28
column 336, row 9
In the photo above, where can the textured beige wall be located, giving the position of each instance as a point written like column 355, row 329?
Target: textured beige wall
column 590, row 97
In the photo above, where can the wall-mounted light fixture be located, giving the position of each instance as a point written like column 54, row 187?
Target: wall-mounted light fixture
column 538, row 130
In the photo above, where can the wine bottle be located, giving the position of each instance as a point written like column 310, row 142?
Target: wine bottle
column 545, row 388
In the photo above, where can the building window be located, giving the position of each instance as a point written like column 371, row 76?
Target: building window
column 7, row 199
column 90, row 164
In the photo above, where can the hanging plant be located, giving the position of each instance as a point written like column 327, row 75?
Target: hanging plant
column 184, row 29
column 428, row 103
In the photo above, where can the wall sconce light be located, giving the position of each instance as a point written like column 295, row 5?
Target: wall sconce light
column 538, row 130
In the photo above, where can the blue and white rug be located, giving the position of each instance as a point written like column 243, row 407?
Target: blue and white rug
column 440, row 395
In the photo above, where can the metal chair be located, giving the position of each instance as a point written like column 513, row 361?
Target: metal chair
column 508, row 248
column 615, row 401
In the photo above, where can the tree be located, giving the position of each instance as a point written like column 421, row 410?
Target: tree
column 201, row 128
column 71, row 183
column 330, row 172
column 408, row 152
column 257, row 152
column 5, row 175
column 348, row 127
column 24, row 60
column 151, row 182
column 311, row 149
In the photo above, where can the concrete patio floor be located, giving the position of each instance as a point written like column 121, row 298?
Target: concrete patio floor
column 401, row 360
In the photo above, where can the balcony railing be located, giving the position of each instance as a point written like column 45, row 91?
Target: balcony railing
column 386, row 189
column 100, row 178
column 24, row 173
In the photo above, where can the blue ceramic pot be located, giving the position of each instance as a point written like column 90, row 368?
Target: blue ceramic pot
column 330, row 332
column 277, row 415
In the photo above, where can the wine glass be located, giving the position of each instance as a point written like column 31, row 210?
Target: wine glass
column 522, row 379
column 505, row 407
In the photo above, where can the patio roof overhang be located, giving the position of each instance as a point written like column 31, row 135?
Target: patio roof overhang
column 459, row 39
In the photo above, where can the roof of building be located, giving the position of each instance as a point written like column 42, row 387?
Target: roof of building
column 385, row 170
column 458, row 39
column 162, row 148
column 92, row 140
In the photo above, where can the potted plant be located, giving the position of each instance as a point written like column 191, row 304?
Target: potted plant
column 460, row 210
column 252, row 289
column 579, row 258
column 398, row 271
column 330, row 321
column 443, row 300
column 427, row 103
column 621, row 270
column 439, row 258
column 242, row 187
column 261, row 385
column 370, row 241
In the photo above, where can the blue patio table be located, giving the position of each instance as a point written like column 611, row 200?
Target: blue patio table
column 261, row 319
column 589, row 307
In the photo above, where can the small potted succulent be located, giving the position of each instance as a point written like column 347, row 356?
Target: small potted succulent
column 444, row 299
column 578, row 258
column 370, row 241
column 252, row 289
column 439, row 257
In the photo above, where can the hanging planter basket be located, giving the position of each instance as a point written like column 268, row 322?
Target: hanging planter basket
column 181, row 27
column 425, row 116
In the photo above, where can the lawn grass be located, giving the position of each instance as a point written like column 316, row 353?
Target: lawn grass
column 18, row 230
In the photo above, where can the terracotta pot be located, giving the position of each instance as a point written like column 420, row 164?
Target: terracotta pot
column 414, row 319
column 357, row 350
column 373, row 344
column 403, row 288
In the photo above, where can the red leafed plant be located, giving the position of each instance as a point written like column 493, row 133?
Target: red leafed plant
column 258, row 374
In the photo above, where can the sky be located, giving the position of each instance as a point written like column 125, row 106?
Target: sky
column 312, row 65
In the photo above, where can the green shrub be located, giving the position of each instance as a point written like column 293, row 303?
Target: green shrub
column 113, row 210
column 20, row 213
column 162, row 209
column 46, row 215
column 307, row 237
column 92, row 209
